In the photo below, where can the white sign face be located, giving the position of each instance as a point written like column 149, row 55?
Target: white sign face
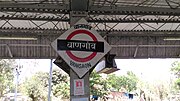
column 81, row 47
column 79, row 87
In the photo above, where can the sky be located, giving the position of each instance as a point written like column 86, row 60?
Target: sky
column 146, row 69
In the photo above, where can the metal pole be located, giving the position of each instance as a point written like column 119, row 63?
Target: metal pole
column 17, row 80
column 50, row 80
column 17, row 77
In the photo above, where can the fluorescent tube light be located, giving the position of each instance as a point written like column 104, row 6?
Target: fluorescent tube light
column 18, row 38
column 171, row 39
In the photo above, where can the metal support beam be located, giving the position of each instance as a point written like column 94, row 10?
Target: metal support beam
column 92, row 9
column 135, row 53
column 132, row 10
column 79, row 5
column 9, row 51
column 22, row 32
column 125, row 45
column 30, row 7
column 140, row 46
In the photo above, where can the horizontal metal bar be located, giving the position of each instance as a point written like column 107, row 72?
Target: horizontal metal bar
column 3, row 45
column 40, row 18
column 29, row 7
column 132, row 10
column 55, row 32
column 159, row 46
column 91, row 20
column 119, row 20
column 93, row 9
column 28, row 45
column 46, row 45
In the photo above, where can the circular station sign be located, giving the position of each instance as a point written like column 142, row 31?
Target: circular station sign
column 81, row 47
column 76, row 58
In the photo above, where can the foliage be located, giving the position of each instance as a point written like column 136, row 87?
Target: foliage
column 6, row 75
column 127, row 82
column 61, row 90
column 133, row 80
column 177, row 83
column 36, row 86
column 176, row 68
column 113, row 81
column 98, row 85
column 162, row 91
column 176, row 71
column 60, row 84
column 157, row 89
column 101, row 86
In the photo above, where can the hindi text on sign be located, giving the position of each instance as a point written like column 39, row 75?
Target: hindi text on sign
column 82, row 26
column 78, row 45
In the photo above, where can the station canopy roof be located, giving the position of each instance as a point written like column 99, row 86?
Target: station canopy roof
column 133, row 28
column 128, row 15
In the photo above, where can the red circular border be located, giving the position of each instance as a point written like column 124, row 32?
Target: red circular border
column 75, row 58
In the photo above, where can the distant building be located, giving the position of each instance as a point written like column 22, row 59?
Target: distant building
column 121, row 96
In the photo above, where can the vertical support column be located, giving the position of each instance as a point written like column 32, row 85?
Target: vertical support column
column 17, row 81
column 50, row 80
column 84, row 92
column 74, row 91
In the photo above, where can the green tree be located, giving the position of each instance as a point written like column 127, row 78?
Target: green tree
column 114, row 83
column 36, row 86
column 98, row 85
column 176, row 71
column 132, row 81
column 127, row 82
column 6, row 76
column 60, row 84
